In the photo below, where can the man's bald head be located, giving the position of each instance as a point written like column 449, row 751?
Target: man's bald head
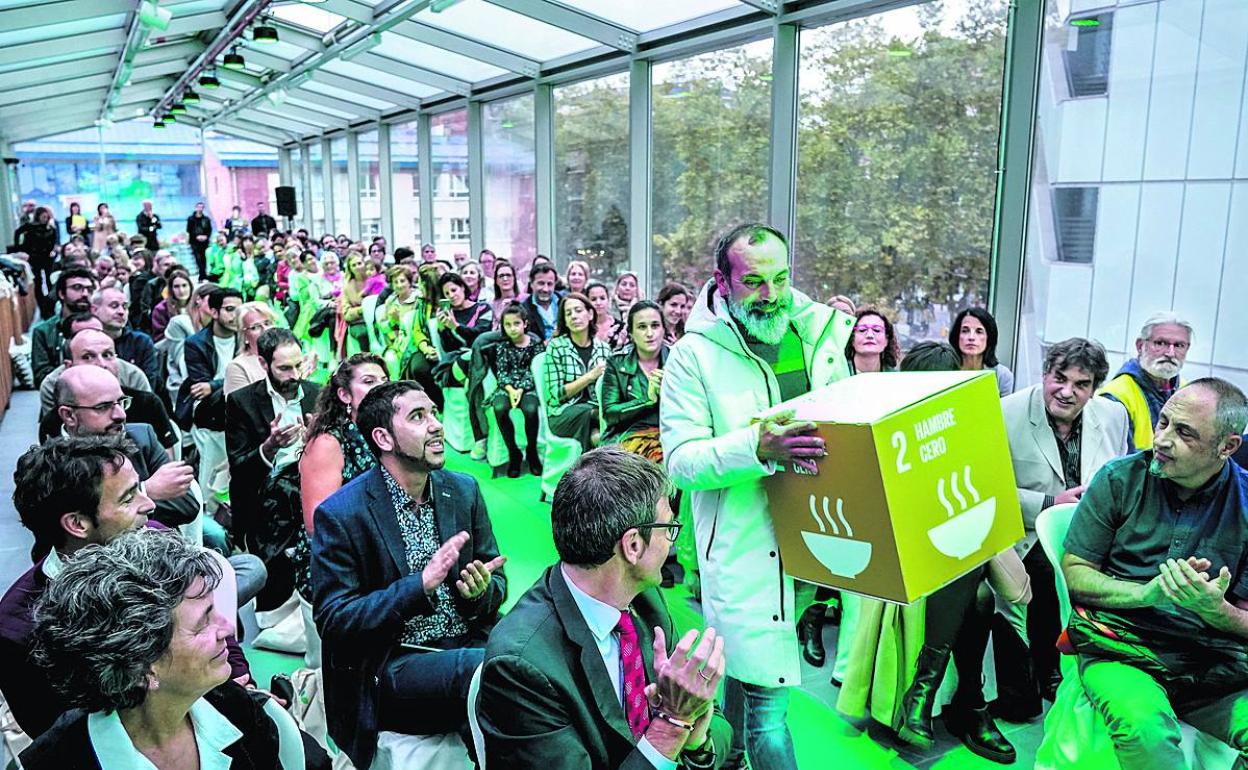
column 92, row 347
column 89, row 401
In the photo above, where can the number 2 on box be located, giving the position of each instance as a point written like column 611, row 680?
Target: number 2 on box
column 899, row 443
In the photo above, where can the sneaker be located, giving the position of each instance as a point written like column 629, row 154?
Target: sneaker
column 478, row 450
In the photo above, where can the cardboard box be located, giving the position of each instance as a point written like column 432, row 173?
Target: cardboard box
column 917, row 488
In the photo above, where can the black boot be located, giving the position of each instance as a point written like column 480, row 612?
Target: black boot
column 810, row 635
column 513, row 463
column 979, row 733
column 915, row 719
column 535, row 464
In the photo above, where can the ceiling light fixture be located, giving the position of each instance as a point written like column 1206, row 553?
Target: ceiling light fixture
column 158, row 124
column 264, row 33
column 234, row 60
column 177, row 108
column 190, row 97
column 209, row 82
column 171, row 118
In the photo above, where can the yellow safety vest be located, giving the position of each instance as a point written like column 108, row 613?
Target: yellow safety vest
column 1127, row 391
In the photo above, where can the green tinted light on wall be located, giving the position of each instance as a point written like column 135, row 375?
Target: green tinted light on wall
column 1085, row 23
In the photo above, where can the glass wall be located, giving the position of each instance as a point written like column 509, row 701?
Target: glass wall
column 591, row 174
column 341, row 187
column 1139, row 199
column 897, row 152
column 370, row 185
column 318, row 189
column 711, row 140
column 509, row 152
column 405, row 177
column 449, row 132
column 238, row 173
column 296, row 180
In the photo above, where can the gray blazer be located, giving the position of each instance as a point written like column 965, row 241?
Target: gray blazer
column 1033, row 449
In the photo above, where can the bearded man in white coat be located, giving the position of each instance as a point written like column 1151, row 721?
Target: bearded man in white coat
column 750, row 342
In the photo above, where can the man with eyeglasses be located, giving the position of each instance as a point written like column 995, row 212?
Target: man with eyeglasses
column 131, row 376
column 111, row 307
column 73, row 289
column 1144, row 383
column 586, row 671
column 90, row 403
column 92, row 347
column 406, row 581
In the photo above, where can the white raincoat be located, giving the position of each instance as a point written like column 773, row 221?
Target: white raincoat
column 712, row 387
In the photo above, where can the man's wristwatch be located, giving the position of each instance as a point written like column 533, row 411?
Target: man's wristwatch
column 701, row 758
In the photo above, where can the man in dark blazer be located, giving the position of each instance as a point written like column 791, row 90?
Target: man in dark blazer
column 148, row 223
column 70, row 492
column 199, row 234
column 578, row 674
column 90, row 402
column 264, row 423
column 205, row 371
column 406, row 581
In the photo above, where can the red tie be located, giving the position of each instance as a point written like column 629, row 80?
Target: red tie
column 636, row 708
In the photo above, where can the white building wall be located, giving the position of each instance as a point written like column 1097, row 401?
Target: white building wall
column 1167, row 147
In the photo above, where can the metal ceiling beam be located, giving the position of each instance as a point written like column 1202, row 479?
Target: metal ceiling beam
column 295, row 112
column 350, row 9
column 267, row 60
column 245, row 79
column 51, row 116
column 264, row 128
column 188, row 25
column 449, row 41
column 54, row 72
column 143, row 92
column 412, row 72
column 169, row 52
column 291, row 124
column 159, row 69
column 28, row 17
column 52, row 130
column 295, row 36
column 577, row 22
column 25, row 52
column 37, row 93
column 365, row 89
column 336, row 103
column 66, row 101
column 254, row 135
column 767, row 6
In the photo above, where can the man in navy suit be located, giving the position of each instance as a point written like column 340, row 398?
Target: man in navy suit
column 406, row 581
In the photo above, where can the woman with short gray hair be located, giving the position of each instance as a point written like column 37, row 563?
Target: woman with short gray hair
column 132, row 641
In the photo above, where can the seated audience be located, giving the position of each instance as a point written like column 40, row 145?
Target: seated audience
column 873, row 346
column 606, row 327
column 542, row 301
column 513, row 369
column 91, row 347
column 474, row 279
column 627, row 291
column 396, row 319
column 1157, row 566
column 406, row 581
column 580, row 673
column 974, row 336
column 207, row 353
column 577, row 276
column 130, row 636
column 460, row 319
column 1145, row 382
column 575, row 360
column 179, row 329
column 1060, row 437
column 175, row 300
column 70, row 493
column 131, row 376
column 632, row 383
column 74, row 287
column 675, row 301
column 504, row 289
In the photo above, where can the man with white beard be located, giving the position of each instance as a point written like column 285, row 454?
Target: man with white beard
column 750, row 343
column 1144, row 383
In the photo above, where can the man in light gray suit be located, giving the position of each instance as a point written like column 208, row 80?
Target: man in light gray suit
column 1059, row 436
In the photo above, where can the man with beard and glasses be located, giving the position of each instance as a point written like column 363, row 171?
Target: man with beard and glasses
column 264, row 422
column 74, row 287
column 542, row 302
column 1156, row 560
column 1144, row 383
column 750, row 342
column 406, row 581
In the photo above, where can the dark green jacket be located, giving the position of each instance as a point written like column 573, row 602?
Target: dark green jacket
column 546, row 700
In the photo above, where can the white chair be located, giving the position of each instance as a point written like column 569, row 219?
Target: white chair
column 559, row 453
column 495, row 447
column 602, row 413
column 474, row 720
column 456, row 424
column 1075, row 735
column 397, row 751
column 369, row 308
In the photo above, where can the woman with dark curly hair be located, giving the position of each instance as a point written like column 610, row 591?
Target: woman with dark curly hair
column 873, row 346
column 130, row 637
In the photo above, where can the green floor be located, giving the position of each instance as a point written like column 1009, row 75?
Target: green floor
column 522, row 527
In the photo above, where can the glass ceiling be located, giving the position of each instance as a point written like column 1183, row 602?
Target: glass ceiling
column 500, row 27
column 307, row 16
column 649, row 16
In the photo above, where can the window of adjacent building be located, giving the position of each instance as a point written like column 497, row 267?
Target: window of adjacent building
column 1074, row 215
column 1087, row 55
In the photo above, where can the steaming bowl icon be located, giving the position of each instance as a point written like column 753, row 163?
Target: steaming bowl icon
column 839, row 555
column 962, row 535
